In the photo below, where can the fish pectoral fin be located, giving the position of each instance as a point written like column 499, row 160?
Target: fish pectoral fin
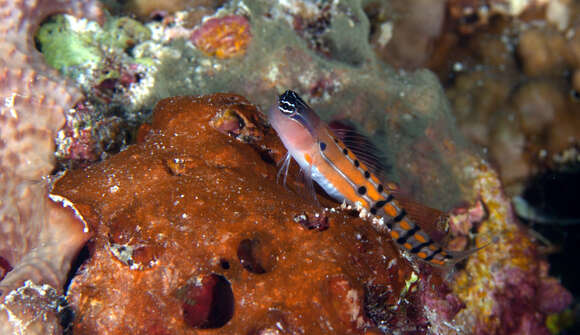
column 284, row 166
column 309, row 185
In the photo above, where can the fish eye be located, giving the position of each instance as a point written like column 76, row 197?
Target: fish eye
column 289, row 102
column 286, row 108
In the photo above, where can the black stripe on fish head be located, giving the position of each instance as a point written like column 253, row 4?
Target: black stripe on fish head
column 290, row 104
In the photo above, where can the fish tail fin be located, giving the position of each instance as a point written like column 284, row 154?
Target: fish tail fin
column 453, row 257
column 458, row 256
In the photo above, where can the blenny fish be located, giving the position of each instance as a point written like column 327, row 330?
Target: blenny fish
column 348, row 177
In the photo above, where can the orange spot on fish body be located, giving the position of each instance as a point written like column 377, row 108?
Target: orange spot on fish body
column 394, row 234
column 422, row 255
column 373, row 194
column 390, row 210
column 363, row 166
column 437, row 261
column 420, row 238
column 405, row 225
column 363, row 202
column 408, row 246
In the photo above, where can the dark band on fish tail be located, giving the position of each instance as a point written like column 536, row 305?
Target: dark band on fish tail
column 381, row 203
column 430, row 257
column 400, row 217
column 421, row 246
column 409, row 233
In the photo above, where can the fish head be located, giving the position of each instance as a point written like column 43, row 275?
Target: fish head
column 294, row 121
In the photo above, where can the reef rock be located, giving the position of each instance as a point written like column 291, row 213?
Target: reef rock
column 192, row 231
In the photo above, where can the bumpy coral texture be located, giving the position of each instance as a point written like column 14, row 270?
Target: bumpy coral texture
column 512, row 293
column 38, row 237
column 193, row 232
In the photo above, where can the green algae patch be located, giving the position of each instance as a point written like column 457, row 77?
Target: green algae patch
column 64, row 48
column 124, row 33
column 559, row 322
column 82, row 49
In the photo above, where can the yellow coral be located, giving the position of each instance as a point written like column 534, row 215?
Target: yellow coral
column 475, row 284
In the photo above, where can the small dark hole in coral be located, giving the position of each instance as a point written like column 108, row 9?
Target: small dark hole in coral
column 372, row 11
column 266, row 157
column 222, row 307
column 66, row 316
column 158, row 16
column 224, row 264
column 81, row 259
column 5, row 267
column 575, row 95
column 209, row 304
column 138, row 77
column 470, row 19
column 247, row 256
column 520, row 65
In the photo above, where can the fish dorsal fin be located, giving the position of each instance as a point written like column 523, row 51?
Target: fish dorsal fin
column 426, row 217
column 361, row 146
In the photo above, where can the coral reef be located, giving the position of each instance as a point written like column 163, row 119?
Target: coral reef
column 195, row 179
column 511, row 83
column 38, row 237
column 510, row 69
column 512, row 292
column 395, row 23
column 194, row 232
column 100, row 60
column 321, row 50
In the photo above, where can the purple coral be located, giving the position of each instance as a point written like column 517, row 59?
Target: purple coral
column 523, row 299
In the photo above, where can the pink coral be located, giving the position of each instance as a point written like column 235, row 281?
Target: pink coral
column 522, row 298
column 505, row 286
column 223, row 37
column 38, row 237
